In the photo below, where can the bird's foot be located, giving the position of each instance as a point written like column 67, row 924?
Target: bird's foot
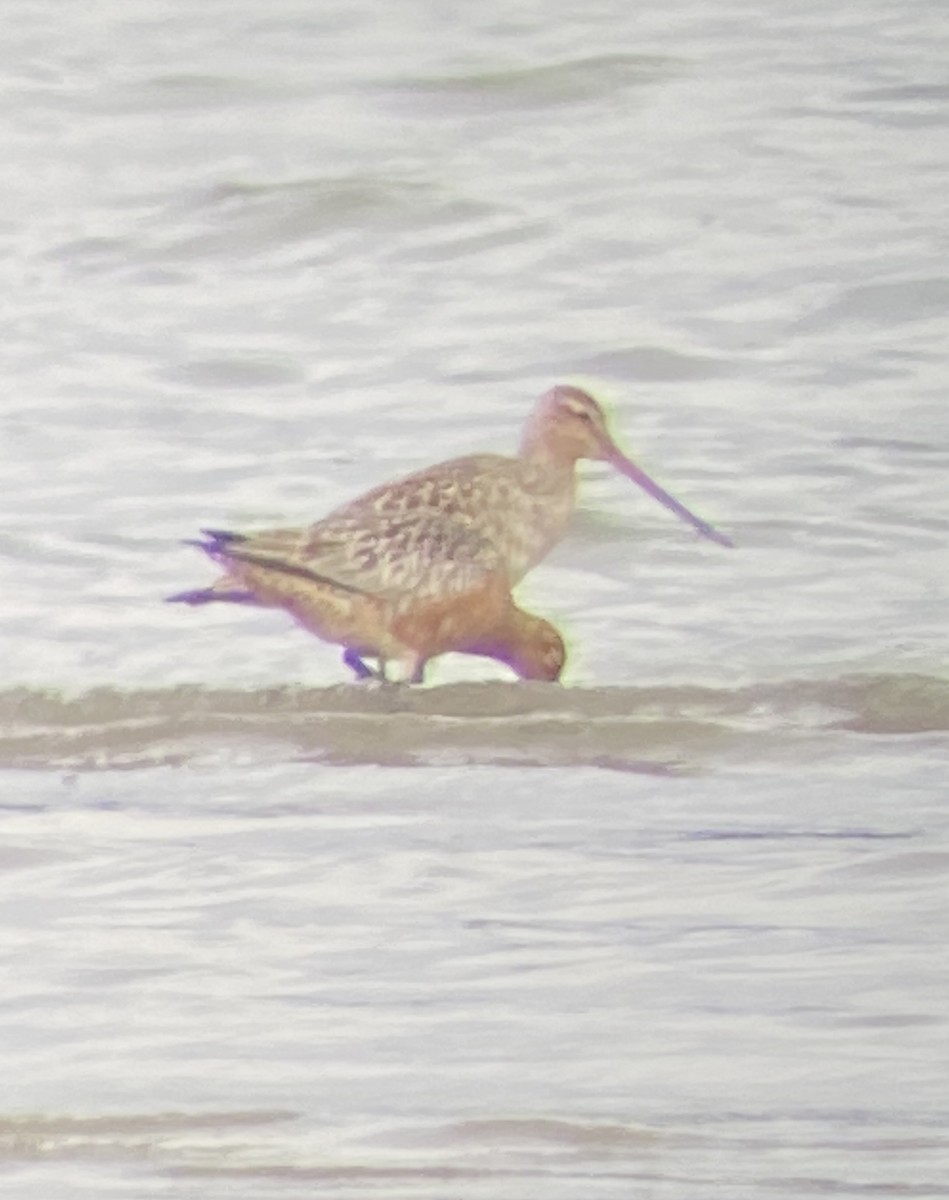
column 361, row 668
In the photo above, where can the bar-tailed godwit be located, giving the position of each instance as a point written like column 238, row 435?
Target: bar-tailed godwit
column 425, row 564
column 399, row 588
column 522, row 504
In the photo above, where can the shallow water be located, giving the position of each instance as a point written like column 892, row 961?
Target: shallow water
column 675, row 929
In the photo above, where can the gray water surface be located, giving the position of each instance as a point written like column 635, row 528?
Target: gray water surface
column 674, row 930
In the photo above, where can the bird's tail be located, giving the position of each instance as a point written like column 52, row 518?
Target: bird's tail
column 214, row 543
column 208, row 595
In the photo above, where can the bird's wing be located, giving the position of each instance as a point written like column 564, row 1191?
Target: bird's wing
column 421, row 554
column 447, row 488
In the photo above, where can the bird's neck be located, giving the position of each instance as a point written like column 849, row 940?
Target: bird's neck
column 547, row 465
column 549, row 454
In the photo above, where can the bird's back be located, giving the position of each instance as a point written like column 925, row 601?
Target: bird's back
column 392, row 556
column 517, row 507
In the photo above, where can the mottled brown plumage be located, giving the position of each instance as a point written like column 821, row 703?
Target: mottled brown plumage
column 522, row 504
column 425, row 565
column 398, row 587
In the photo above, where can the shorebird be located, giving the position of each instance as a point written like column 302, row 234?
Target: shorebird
column 399, row 588
column 523, row 503
column 425, row 564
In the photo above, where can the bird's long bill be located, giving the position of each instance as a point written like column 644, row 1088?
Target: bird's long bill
column 619, row 460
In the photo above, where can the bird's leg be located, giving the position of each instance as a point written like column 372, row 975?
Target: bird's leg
column 407, row 668
column 361, row 670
